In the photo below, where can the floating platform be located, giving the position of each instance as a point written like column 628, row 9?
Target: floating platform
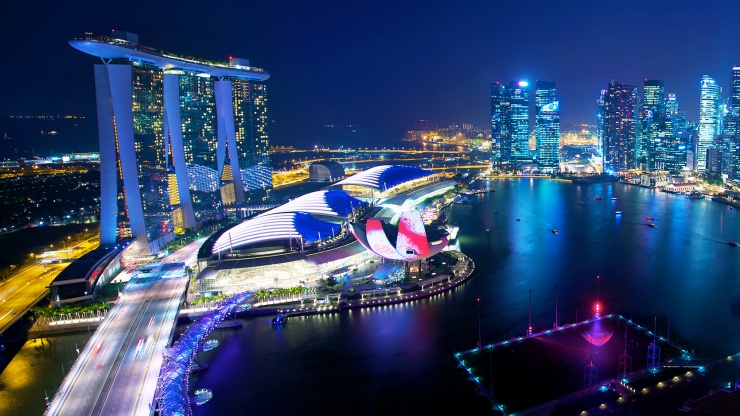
column 567, row 368
column 210, row 344
column 229, row 324
column 202, row 396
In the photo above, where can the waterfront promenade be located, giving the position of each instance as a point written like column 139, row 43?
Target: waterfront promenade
column 445, row 280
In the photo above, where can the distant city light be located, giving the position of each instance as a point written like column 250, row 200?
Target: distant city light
column 523, row 83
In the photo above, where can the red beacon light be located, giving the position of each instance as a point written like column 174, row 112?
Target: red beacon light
column 597, row 309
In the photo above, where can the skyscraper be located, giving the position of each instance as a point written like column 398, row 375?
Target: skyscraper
column 519, row 120
column 499, row 125
column 731, row 128
column 161, row 119
column 509, row 123
column 709, row 123
column 547, row 127
column 652, row 122
column 735, row 98
column 619, row 127
column 600, row 128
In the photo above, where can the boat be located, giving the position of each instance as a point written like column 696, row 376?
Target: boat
column 695, row 195
column 651, row 225
column 202, row 396
column 598, row 198
column 614, row 198
column 734, row 243
column 518, row 219
column 210, row 344
column 554, row 231
column 618, row 212
column 649, row 218
column 280, row 319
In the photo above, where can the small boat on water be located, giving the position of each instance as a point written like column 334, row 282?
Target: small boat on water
column 210, row 344
column 615, row 198
column 651, row 225
column 280, row 319
column 618, row 212
column 734, row 243
column 518, row 219
column 598, row 198
column 554, row 231
column 649, row 218
column 202, row 396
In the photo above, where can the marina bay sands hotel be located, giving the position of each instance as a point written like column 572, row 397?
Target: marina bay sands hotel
column 166, row 124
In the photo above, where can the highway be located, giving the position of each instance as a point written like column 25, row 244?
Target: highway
column 116, row 373
column 29, row 285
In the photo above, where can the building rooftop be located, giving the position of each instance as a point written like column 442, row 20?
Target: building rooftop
column 108, row 47
column 385, row 177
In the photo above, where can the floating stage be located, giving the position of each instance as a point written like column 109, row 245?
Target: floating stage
column 576, row 367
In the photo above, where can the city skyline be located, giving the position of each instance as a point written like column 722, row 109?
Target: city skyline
column 379, row 68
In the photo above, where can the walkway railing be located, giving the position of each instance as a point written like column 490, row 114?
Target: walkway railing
column 172, row 385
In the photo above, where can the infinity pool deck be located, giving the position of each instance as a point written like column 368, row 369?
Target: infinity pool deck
column 547, row 370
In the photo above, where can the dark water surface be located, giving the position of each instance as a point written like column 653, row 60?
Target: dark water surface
column 398, row 359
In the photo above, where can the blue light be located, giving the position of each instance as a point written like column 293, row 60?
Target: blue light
column 523, row 83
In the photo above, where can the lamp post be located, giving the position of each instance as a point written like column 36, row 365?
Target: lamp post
column 529, row 328
column 477, row 303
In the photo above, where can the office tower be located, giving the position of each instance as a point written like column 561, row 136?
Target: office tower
column 709, row 120
column 735, row 97
column 547, row 127
column 652, row 122
column 600, row 125
column 519, row 120
column 671, row 103
column 499, row 125
column 731, row 129
column 619, row 127
column 671, row 143
column 509, row 123
column 161, row 120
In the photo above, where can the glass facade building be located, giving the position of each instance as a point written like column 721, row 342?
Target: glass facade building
column 652, row 122
column 619, row 127
column 509, row 123
column 519, row 120
column 709, row 120
column 165, row 123
column 547, row 127
column 499, row 126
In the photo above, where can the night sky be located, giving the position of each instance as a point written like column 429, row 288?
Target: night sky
column 381, row 65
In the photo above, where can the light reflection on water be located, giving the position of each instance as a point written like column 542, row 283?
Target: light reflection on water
column 372, row 360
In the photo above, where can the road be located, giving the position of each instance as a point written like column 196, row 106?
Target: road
column 116, row 373
column 29, row 285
